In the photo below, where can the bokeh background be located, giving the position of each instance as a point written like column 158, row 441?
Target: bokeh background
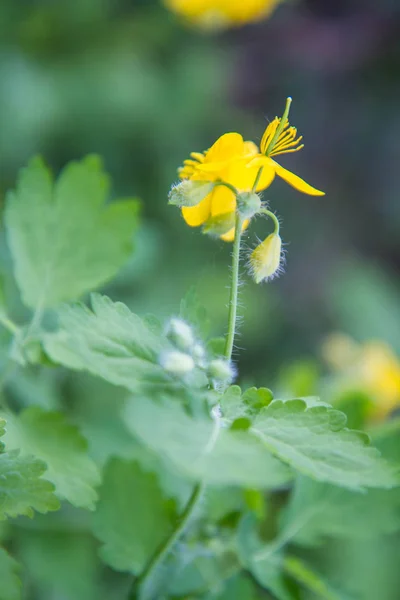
column 130, row 81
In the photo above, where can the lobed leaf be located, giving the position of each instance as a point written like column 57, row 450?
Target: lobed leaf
column 108, row 341
column 22, row 489
column 315, row 442
column 64, row 240
column 49, row 437
column 132, row 518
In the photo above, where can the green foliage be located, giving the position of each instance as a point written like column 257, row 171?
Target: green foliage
column 49, row 437
column 10, row 582
column 96, row 418
column 109, row 341
column 22, row 488
column 200, row 449
column 132, row 517
column 319, row 511
column 282, row 575
column 64, row 241
column 60, row 562
column 315, row 441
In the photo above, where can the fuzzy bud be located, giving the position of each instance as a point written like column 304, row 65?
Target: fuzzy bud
column 189, row 193
column 249, row 204
column 180, row 334
column 265, row 260
column 177, row 363
column 199, row 355
column 221, row 370
column 219, row 224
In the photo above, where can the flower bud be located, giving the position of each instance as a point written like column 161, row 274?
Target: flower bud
column 177, row 363
column 189, row 193
column 249, row 204
column 180, row 334
column 199, row 355
column 221, row 370
column 265, row 260
column 220, row 224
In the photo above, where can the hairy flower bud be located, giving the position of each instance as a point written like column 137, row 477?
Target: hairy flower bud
column 221, row 370
column 265, row 260
column 189, row 193
column 177, row 363
column 219, row 224
column 248, row 204
column 180, row 334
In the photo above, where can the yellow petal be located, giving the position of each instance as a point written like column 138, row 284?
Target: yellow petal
column 197, row 215
column 246, row 175
column 223, row 200
column 296, row 182
column 228, row 146
column 230, row 235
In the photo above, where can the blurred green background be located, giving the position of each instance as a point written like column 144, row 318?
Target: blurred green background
column 129, row 81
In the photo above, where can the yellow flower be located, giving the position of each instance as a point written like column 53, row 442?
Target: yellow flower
column 286, row 142
column 372, row 367
column 237, row 167
column 214, row 14
column 226, row 161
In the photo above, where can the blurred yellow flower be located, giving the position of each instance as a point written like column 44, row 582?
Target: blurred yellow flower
column 226, row 161
column 372, row 367
column 274, row 143
column 216, row 14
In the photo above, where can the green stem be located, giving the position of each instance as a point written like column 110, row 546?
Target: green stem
column 271, row 215
column 142, row 586
column 233, row 300
column 257, row 179
column 8, row 324
column 227, row 185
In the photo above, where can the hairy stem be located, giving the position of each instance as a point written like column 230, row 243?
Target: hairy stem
column 233, row 300
column 143, row 586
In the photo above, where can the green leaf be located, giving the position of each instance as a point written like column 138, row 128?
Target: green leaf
column 10, row 582
column 48, row 436
column 264, row 561
column 235, row 405
column 22, row 489
column 60, row 564
column 315, row 442
column 205, row 574
column 307, row 578
column 194, row 313
column 317, row 511
column 63, row 238
column 202, row 450
column 132, row 517
column 110, row 342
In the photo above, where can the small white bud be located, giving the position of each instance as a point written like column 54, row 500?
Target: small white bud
column 189, row 193
column 180, row 334
column 199, row 355
column 221, row 370
column 177, row 363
